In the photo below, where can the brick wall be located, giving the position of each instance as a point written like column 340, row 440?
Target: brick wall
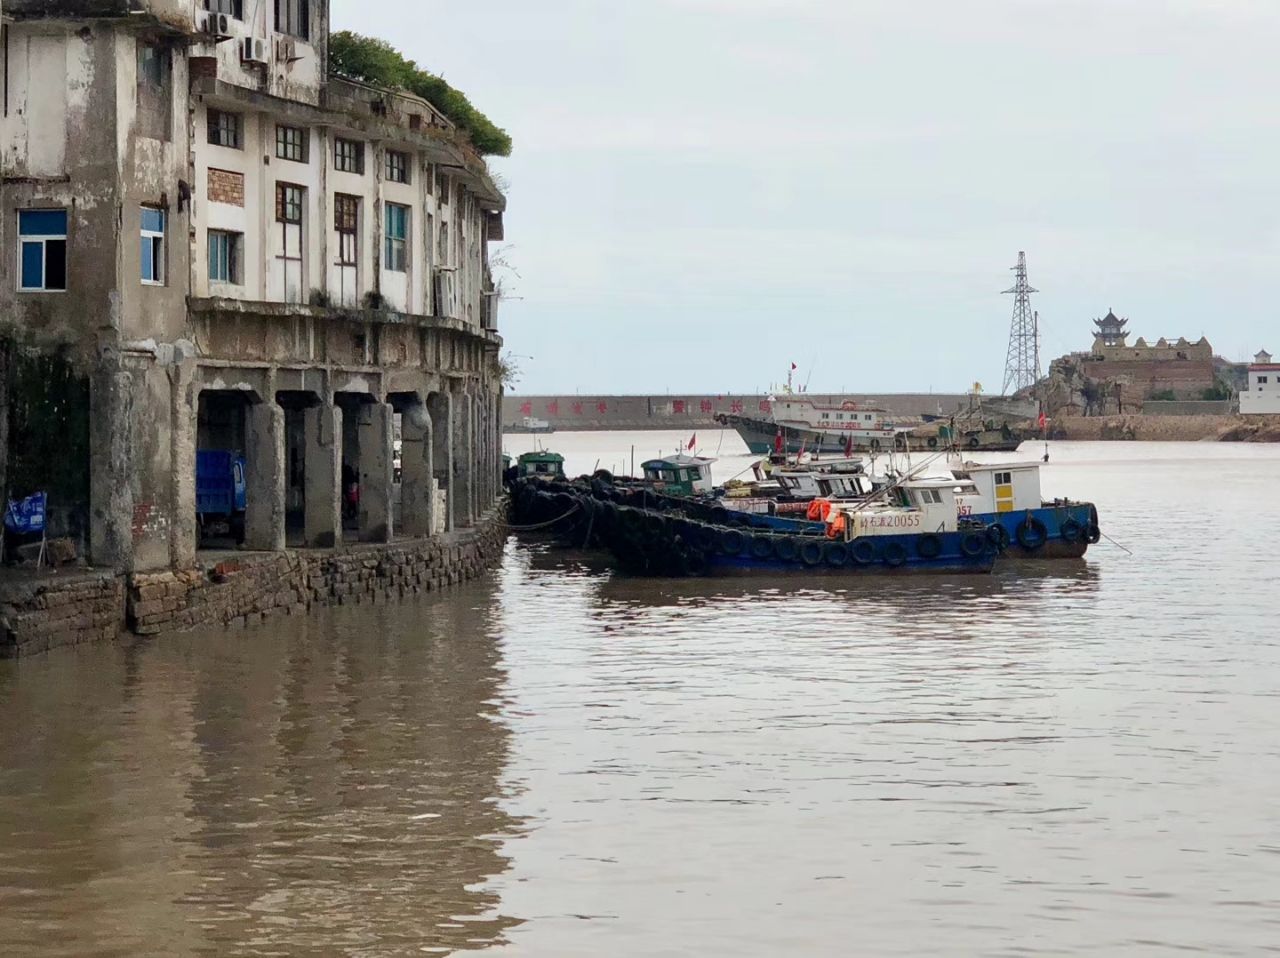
column 226, row 187
column 241, row 590
column 43, row 613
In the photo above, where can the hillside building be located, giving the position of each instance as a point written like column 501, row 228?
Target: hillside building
column 1261, row 396
column 216, row 244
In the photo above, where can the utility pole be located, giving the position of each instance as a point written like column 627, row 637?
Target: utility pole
column 1022, row 363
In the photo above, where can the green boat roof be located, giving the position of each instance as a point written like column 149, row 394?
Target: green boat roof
column 540, row 457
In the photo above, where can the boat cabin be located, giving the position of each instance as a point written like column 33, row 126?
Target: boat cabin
column 548, row 465
column 915, row 506
column 1000, row 486
column 801, row 483
column 679, row 475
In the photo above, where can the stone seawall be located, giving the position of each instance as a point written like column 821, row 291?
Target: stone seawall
column 239, row 589
column 1169, row 428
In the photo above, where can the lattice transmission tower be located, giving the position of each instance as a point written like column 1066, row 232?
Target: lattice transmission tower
column 1022, row 364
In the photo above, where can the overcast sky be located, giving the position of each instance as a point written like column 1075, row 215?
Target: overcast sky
column 703, row 190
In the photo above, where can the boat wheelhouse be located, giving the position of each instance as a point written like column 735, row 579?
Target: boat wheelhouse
column 540, row 464
column 679, row 475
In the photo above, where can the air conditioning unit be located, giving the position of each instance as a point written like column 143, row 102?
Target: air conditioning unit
column 253, row 50
column 287, row 50
column 216, row 25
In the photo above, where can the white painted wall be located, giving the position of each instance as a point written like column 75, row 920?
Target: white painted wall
column 1262, row 397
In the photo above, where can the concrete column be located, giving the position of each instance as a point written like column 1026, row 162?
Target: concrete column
column 110, row 466
column 376, row 475
column 322, row 476
column 264, row 477
column 417, row 504
column 183, row 401
column 463, row 463
column 440, row 406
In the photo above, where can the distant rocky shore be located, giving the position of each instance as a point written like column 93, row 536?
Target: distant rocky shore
column 1232, row 428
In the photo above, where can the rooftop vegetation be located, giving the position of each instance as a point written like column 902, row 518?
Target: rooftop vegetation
column 378, row 62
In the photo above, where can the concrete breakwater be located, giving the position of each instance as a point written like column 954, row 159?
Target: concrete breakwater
column 237, row 589
column 699, row 410
column 1145, row 428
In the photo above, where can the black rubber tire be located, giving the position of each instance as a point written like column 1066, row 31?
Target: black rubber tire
column 695, row 563
column 1070, row 530
column 929, row 546
column 998, row 536
column 786, row 549
column 900, row 441
column 1031, row 534
column 863, row 551
column 761, row 547
column 732, row 542
column 836, row 555
column 933, row 442
column 974, row 442
column 811, row 553
column 1093, row 535
column 874, row 445
column 973, row 545
column 894, row 554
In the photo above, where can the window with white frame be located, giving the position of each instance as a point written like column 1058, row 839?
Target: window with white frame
column 396, row 228
column 152, row 246
column 42, row 251
column 234, row 8
column 348, row 155
column 1004, row 478
column 397, row 166
column 224, row 256
column 292, row 143
column 225, row 129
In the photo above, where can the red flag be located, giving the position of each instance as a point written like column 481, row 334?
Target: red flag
column 693, row 440
column 848, row 447
column 1041, row 421
column 777, row 443
column 794, row 367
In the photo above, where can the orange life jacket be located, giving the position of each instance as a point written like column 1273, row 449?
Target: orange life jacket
column 819, row 509
column 835, row 528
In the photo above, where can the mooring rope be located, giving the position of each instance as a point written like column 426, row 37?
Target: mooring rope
column 543, row 525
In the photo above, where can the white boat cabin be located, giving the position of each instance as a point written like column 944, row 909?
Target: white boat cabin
column 999, row 487
column 915, row 506
column 802, row 483
column 679, row 475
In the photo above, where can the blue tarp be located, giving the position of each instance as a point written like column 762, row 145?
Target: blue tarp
column 26, row 515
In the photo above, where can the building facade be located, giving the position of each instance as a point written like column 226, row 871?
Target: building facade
column 227, row 248
column 1261, row 395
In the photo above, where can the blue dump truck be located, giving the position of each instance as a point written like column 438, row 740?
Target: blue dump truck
column 220, row 494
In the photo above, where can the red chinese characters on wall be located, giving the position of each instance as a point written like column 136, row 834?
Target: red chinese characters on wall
column 764, row 405
column 677, row 406
column 602, row 407
column 553, row 408
column 735, row 405
column 577, row 409
column 526, row 409
column 707, row 406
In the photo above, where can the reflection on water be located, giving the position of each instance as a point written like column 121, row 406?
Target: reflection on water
column 317, row 788
column 1068, row 758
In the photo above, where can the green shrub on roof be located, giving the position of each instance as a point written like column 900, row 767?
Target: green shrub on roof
column 378, row 62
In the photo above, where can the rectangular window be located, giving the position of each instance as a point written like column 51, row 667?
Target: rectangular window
column 42, row 250
column 396, row 226
column 288, row 203
column 348, row 155
column 1261, row 380
column 397, row 166
column 292, row 143
column 225, row 129
column 346, row 221
column 234, row 8
column 155, row 103
column 152, row 246
column 224, row 257
column 294, row 18
column 1003, row 478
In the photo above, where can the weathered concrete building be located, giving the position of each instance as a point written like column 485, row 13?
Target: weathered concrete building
column 225, row 247
column 1261, row 395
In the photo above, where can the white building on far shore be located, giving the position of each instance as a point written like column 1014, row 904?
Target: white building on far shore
column 1262, row 395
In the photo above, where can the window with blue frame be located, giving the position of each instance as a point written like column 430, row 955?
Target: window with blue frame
column 397, row 230
column 42, row 250
column 152, row 246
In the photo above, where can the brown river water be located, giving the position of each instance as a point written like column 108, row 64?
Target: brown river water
column 1063, row 759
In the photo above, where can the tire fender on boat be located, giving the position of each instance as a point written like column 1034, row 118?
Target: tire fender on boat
column 863, row 551
column 811, row 553
column 929, row 546
column 1031, row 533
column 998, row 536
column 894, row 554
column 761, row 547
column 1070, row 530
column 732, row 542
column 973, row 545
column 836, row 555
column 786, row 549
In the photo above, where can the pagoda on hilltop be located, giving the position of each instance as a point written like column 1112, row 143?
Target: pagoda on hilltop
column 1111, row 330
